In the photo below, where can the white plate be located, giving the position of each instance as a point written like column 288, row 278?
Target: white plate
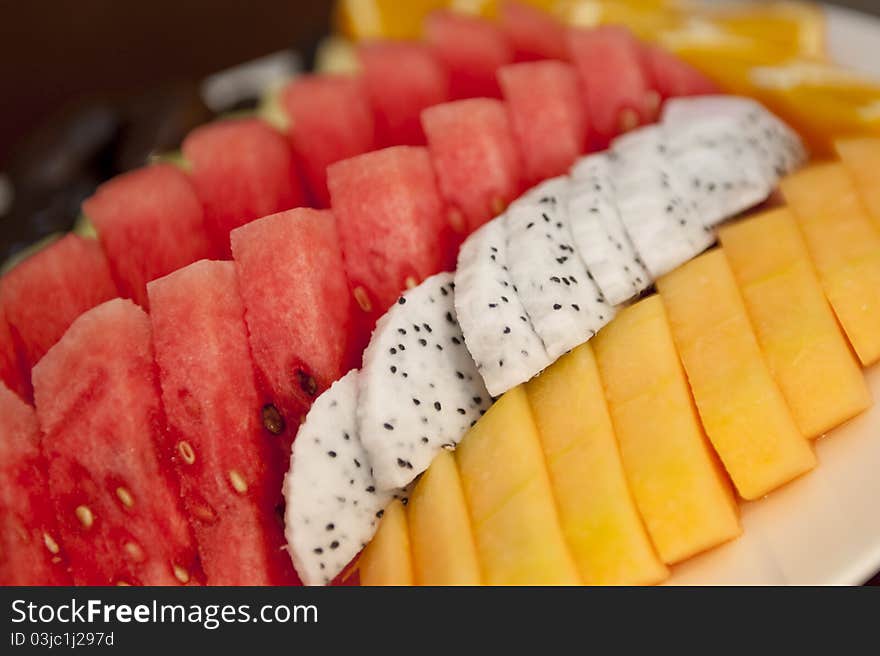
column 824, row 528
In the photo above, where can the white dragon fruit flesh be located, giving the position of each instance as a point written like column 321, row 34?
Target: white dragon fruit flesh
column 420, row 390
column 333, row 504
column 563, row 303
column 497, row 331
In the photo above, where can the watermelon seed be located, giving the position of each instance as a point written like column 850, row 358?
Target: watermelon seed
column 363, row 300
column 237, row 481
column 306, row 383
column 134, row 551
column 456, row 220
column 181, row 574
column 50, row 543
column 85, row 516
column 498, row 205
column 628, row 120
column 411, row 282
column 186, row 452
column 125, row 497
column 272, row 419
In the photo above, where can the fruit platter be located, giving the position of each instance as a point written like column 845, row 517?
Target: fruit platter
column 546, row 292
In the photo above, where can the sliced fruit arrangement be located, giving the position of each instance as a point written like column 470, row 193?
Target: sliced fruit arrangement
column 712, row 386
column 530, row 496
column 481, row 154
column 524, row 296
column 754, row 332
column 774, row 51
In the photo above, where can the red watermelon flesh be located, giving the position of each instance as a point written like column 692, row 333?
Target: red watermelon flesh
column 331, row 119
column 150, row 223
column 10, row 371
column 672, row 77
column 471, row 49
column 617, row 88
column 297, row 307
column 547, row 114
column 242, row 169
column 392, row 222
column 45, row 293
column 475, row 155
column 532, row 33
column 31, row 552
column 402, row 79
column 119, row 511
column 231, row 487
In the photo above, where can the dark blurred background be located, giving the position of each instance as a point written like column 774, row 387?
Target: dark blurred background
column 89, row 88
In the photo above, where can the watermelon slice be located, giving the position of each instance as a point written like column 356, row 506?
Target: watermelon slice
column 471, row 49
column 617, row 88
column 150, row 223
column 476, row 158
column 402, row 79
column 392, row 222
column 547, row 114
column 230, row 489
column 10, row 371
column 330, row 119
column 29, row 540
column 532, row 33
column 672, row 77
column 241, row 169
column 65, row 279
column 119, row 512
column 297, row 307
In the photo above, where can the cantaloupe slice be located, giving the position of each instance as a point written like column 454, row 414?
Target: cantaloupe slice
column 845, row 247
column 742, row 408
column 387, row 560
column 507, row 488
column 861, row 157
column 796, row 329
column 680, row 489
column 599, row 518
column 443, row 546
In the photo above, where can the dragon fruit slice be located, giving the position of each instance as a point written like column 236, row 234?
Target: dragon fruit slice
column 497, row 331
column 420, row 390
column 776, row 143
column 565, row 306
column 657, row 208
column 598, row 233
column 333, row 503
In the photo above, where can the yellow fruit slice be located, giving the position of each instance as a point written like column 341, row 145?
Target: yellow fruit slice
column 845, row 247
column 679, row 487
column 440, row 531
column 823, row 102
column 796, row 329
column 383, row 19
column 387, row 560
column 515, row 523
column 741, row 406
column 861, row 157
column 598, row 513
column 646, row 20
column 796, row 26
